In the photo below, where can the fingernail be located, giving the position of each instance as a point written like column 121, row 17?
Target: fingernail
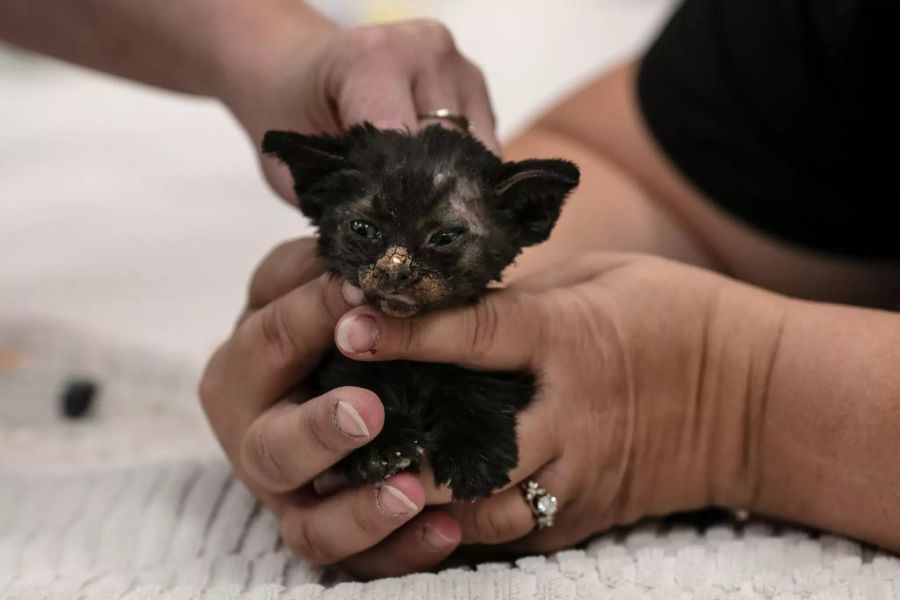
column 348, row 420
column 436, row 540
column 394, row 502
column 357, row 334
column 352, row 295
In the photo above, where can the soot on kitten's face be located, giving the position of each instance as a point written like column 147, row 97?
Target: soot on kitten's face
column 421, row 220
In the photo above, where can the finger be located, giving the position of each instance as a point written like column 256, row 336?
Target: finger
column 499, row 519
column 382, row 97
column 417, row 546
column 289, row 444
column 476, row 105
column 339, row 526
column 288, row 266
column 503, row 330
column 270, row 352
column 433, row 91
column 506, row 516
column 330, row 482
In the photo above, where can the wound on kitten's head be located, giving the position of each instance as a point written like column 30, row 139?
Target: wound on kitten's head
column 420, row 220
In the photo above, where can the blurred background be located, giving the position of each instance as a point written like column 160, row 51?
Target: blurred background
column 137, row 216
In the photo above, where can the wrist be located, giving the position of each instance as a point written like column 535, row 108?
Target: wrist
column 744, row 334
column 253, row 49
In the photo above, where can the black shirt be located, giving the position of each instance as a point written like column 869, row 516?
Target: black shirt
column 785, row 113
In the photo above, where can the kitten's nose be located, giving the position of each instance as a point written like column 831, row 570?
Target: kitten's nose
column 396, row 275
column 394, row 266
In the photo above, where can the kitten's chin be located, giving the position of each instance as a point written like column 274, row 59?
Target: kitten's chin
column 400, row 306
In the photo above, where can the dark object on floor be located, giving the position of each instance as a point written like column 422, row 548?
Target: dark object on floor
column 423, row 221
column 77, row 397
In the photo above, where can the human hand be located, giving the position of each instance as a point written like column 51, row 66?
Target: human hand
column 653, row 378
column 278, row 446
column 328, row 79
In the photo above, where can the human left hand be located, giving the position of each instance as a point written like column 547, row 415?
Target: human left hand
column 652, row 374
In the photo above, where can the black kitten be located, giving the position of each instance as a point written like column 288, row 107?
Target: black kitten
column 422, row 221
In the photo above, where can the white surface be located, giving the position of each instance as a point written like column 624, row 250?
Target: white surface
column 133, row 506
column 138, row 215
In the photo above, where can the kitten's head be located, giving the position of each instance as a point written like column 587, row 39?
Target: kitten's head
column 421, row 220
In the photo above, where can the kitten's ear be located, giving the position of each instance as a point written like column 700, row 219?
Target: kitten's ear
column 531, row 194
column 310, row 158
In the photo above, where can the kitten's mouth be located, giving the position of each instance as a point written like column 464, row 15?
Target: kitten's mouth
column 397, row 304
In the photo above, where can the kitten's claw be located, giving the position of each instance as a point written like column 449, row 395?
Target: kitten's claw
column 371, row 464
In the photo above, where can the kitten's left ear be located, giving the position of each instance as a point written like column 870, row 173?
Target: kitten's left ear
column 310, row 159
column 531, row 195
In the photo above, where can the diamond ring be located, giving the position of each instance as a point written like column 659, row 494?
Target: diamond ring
column 543, row 504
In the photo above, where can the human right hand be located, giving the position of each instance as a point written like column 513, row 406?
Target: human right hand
column 322, row 80
column 278, row 446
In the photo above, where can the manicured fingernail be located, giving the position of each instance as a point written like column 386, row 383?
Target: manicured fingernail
column 352, row 295
column 348, row 420
column 435, row 539
column 329, row 482
column 357, row 334
column 394, row 502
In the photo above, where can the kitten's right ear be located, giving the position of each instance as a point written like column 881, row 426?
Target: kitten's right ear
column 310, row 158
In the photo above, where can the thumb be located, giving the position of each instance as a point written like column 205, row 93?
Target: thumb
column 503, row 330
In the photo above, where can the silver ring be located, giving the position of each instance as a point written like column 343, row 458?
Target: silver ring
column 444, row 114
column 543, row 504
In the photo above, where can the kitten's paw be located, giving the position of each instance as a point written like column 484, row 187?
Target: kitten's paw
column 472, row 474
column 375, row 462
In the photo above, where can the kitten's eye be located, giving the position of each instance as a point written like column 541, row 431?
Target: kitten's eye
column 446, row 237
column 365, row 229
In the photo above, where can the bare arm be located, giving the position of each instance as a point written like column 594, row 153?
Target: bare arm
column 829, row 446
column 276, row 64
column 634, row 199
column 192, row 46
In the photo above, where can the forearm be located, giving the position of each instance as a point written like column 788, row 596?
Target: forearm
column 605, row 120
column 192, row 46
column 608, row 211
column 829, row 443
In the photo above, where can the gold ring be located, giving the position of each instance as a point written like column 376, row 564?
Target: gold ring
column 444, row 114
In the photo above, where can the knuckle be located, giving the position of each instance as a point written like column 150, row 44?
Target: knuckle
column 477, row 76
column 438, row 36
column 279, row 341
column 367, row 42
column 331, row 298
column 364, row 516
column 306, row 542
column 261, row 460
column 484, row 325
column 209, row 389
column 270, row 258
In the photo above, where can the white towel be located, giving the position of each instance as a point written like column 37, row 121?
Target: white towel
column 137, row 504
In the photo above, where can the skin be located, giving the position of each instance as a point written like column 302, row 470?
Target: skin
column 782, row 406
column 768, row 405
column 276, row 64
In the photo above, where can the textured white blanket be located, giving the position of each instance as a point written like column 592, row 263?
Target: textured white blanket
column 137, row 504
